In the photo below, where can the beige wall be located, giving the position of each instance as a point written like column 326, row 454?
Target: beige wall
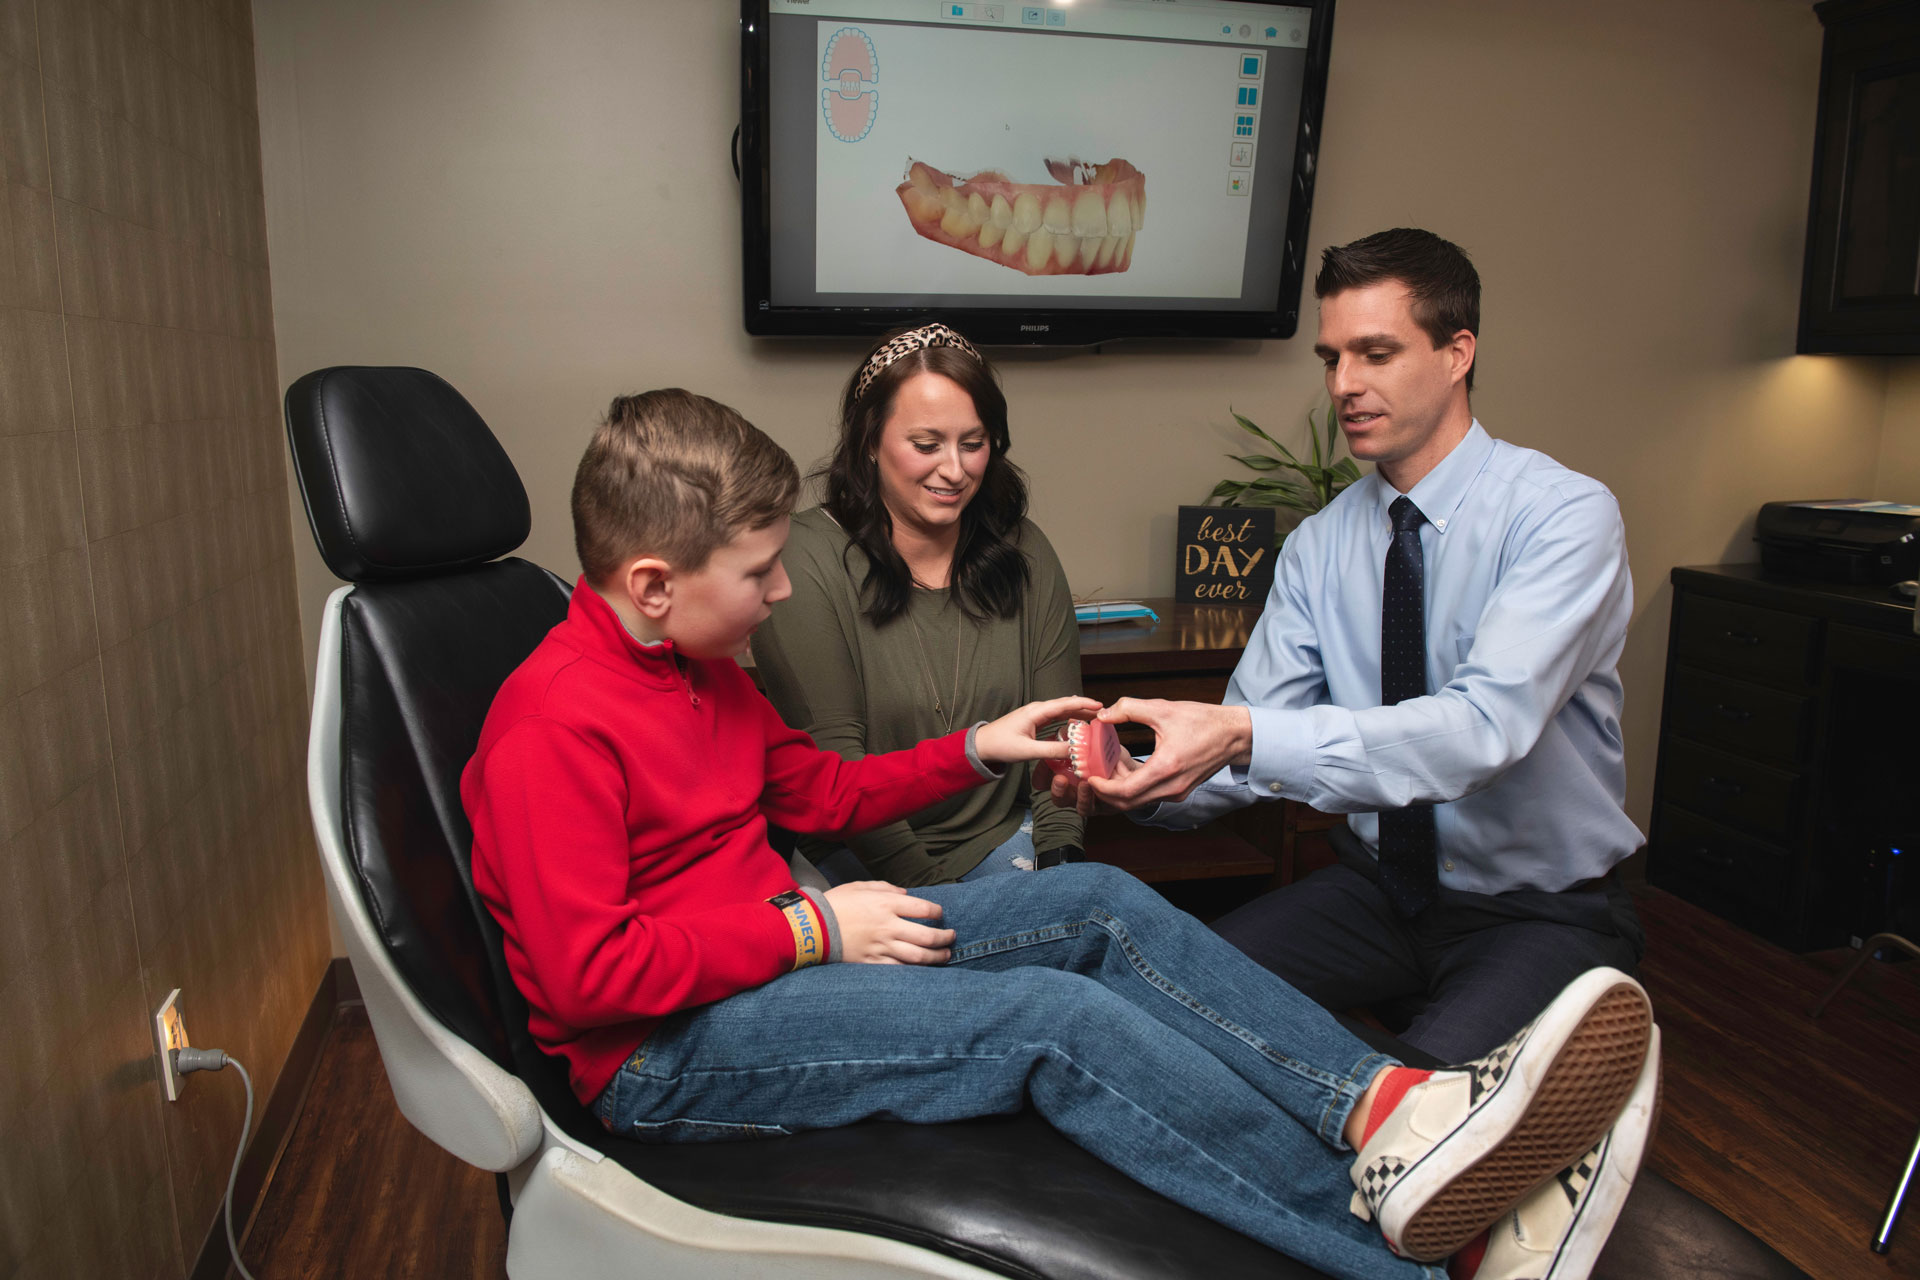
column 535, row 200
column 1897, row 477
column 152, row 820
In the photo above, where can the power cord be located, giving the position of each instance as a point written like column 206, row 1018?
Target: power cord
column 188, row 1060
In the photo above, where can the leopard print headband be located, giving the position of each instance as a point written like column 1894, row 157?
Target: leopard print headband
column 932, row 335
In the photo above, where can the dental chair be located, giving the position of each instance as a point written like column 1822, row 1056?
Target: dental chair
column 414, row 503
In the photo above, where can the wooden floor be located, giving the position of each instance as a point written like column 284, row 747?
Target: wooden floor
column 1796, row 1129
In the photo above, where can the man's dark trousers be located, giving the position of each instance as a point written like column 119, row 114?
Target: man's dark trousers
column 1456, row 980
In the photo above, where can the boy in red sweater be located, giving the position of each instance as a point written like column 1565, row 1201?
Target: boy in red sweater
column 620, row 797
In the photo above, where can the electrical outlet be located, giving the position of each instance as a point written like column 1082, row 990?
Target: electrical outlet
column 170, row 1033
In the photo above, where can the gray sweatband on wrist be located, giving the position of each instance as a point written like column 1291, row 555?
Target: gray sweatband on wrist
column 835, row 951
column 973, row 757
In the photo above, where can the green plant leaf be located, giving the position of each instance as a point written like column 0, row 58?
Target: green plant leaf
column 1306, row 486
column 1246, row 423
column 1225, row 492
column 1275, row 486
column 1293, row 500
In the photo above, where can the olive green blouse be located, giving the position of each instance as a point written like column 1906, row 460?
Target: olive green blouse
column 857, row 688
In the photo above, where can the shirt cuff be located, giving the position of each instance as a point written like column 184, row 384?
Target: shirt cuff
column 1282, row 754
column 973, row 757
column 828, row 921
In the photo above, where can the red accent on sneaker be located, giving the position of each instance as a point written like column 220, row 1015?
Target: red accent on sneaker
column 1394, row 1083
column 1464, row 1264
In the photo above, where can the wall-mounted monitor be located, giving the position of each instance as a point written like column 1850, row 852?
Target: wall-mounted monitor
column 1064, row 173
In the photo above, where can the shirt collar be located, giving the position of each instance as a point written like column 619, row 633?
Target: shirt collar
column 599, row 633
column 1442, row 490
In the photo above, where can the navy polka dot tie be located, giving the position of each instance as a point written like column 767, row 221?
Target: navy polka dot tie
column 1408, row 846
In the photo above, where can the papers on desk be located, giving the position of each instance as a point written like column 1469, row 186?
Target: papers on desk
column 1095, row 612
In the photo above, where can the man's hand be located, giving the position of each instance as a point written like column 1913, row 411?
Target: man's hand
column 1010, row 739
column 1070, row 792
column 1192, row 740
column 880, row 924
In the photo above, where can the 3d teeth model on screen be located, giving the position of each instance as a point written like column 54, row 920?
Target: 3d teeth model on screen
column 1084, row 226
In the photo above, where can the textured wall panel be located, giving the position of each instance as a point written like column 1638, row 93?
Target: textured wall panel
column 152, row 813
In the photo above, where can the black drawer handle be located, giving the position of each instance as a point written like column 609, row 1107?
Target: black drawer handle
column 1735, row 714
column 1742, row 637
column 1706, row 854
column 1727, row 786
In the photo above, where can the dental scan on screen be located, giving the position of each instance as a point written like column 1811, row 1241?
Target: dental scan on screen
column 993, row 161
column 1117, row 158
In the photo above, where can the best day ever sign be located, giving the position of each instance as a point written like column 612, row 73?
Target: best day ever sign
column 1224, row 555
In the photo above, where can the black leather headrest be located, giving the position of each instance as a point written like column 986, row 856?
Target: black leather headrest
column 400, row 476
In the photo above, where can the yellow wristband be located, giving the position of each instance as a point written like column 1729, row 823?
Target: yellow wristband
column 809, row 939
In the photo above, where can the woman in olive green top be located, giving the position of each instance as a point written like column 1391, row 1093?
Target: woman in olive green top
column 925, row 601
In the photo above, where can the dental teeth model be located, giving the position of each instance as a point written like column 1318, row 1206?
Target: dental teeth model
column 1084, row 226
column 1093, row 749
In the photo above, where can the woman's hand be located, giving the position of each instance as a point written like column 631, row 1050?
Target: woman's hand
column 1011, row 740
column 880, row 924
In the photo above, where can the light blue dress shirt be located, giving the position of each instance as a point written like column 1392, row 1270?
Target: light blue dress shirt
column 1518, row 745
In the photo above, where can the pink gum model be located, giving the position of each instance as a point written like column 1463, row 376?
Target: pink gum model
column 1083, row 227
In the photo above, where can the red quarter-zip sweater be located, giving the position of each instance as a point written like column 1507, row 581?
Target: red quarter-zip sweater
column 620, row 798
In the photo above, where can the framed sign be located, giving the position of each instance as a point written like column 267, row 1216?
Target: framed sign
column 1224, row 555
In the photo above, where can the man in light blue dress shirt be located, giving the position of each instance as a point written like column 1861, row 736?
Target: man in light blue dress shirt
column 1516, row 744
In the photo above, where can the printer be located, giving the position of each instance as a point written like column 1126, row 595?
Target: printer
column 1840, row 540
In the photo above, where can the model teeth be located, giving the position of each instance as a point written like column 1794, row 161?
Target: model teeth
column 1085, row 226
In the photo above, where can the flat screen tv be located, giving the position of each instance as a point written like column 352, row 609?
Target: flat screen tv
column 1065, row 173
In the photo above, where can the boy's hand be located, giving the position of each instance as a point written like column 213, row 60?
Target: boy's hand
column 880, row 924
column 1010, row 739
column 1073, row 793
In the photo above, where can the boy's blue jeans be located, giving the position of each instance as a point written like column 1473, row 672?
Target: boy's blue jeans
column 1135, row 1031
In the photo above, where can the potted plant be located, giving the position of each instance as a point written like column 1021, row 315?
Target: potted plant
column 1303, row 486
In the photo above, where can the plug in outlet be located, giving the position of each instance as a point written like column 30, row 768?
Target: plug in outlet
column 170, row 1033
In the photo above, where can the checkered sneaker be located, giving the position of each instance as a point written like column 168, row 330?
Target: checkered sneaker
column 1557, row 1231
column 1464, row 1145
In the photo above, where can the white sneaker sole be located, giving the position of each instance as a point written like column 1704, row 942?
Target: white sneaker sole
column 1563, row 1089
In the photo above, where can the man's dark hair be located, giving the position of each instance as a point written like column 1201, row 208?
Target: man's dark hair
column 1437, row 273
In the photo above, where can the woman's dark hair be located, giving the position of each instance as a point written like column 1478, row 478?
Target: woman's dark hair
column 990, row 574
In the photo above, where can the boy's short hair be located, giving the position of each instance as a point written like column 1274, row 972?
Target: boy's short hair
column 1437, row 273
column 674, row 475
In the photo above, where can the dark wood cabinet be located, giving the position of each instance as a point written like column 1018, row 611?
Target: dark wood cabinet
column 1860, row 293
column 1789, row 750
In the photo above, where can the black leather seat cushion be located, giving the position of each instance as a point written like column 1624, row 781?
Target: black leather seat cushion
column 1011, row 1195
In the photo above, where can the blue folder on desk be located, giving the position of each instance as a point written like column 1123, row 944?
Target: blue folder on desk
column 1098, row 611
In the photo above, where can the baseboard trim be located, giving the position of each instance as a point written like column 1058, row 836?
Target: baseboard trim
column 277, row 1118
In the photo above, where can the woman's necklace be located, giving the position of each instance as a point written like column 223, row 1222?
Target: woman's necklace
column 946, row 713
